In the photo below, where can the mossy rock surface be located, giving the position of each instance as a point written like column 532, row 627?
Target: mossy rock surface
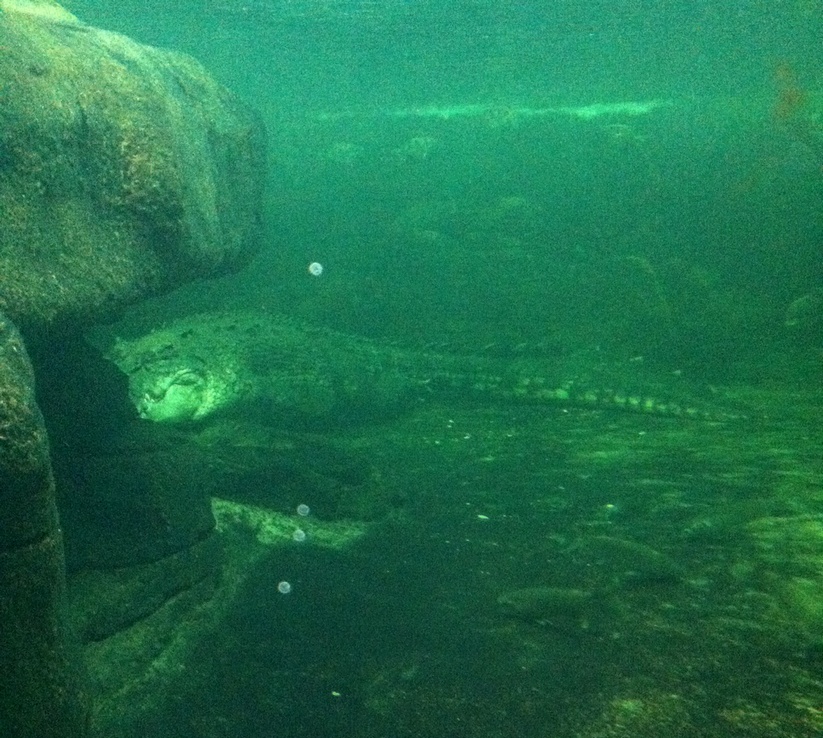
column 124, row 170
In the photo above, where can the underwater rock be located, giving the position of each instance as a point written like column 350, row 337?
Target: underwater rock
column 126, row 170
column 219, row 363
column 789, row 553
column 40, row 692
column 624, row 562
column 605, row 567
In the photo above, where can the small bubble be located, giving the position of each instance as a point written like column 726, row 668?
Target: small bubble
column 303, row 510
column 315, row 269
column 299, row 535
column 284, row 587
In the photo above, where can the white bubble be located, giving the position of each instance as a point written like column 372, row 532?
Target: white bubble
column 284, row 587
column 299, row 535
column 303, row 510
column 315, row 269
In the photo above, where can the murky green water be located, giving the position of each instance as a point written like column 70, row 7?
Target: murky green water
column 627, row 194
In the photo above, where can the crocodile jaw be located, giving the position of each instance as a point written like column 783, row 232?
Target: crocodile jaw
column 176, row 398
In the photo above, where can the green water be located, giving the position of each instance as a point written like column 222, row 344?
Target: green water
column 623, row 184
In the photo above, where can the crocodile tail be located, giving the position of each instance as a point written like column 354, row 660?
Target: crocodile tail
column 572, row 394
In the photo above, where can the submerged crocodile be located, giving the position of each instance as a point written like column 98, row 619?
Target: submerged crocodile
column 211, row 364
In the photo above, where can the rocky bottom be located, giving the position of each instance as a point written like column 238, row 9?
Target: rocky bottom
column 523, row 572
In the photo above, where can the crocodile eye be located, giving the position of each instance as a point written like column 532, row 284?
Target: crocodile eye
column 187, row 379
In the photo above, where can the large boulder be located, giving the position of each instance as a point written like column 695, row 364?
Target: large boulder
column 125, row 171
column 40, row 692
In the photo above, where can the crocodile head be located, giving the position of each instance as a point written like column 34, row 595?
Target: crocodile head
column 174, row 396
column 170, row 383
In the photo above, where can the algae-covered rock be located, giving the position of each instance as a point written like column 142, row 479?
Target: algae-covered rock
column 39, row 687
column 124, row 170
column 624, row 562
column 789, row 554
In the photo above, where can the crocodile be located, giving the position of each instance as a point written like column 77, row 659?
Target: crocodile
column 217, row 363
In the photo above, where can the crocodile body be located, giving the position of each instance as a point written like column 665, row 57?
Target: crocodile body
column 210, row 364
